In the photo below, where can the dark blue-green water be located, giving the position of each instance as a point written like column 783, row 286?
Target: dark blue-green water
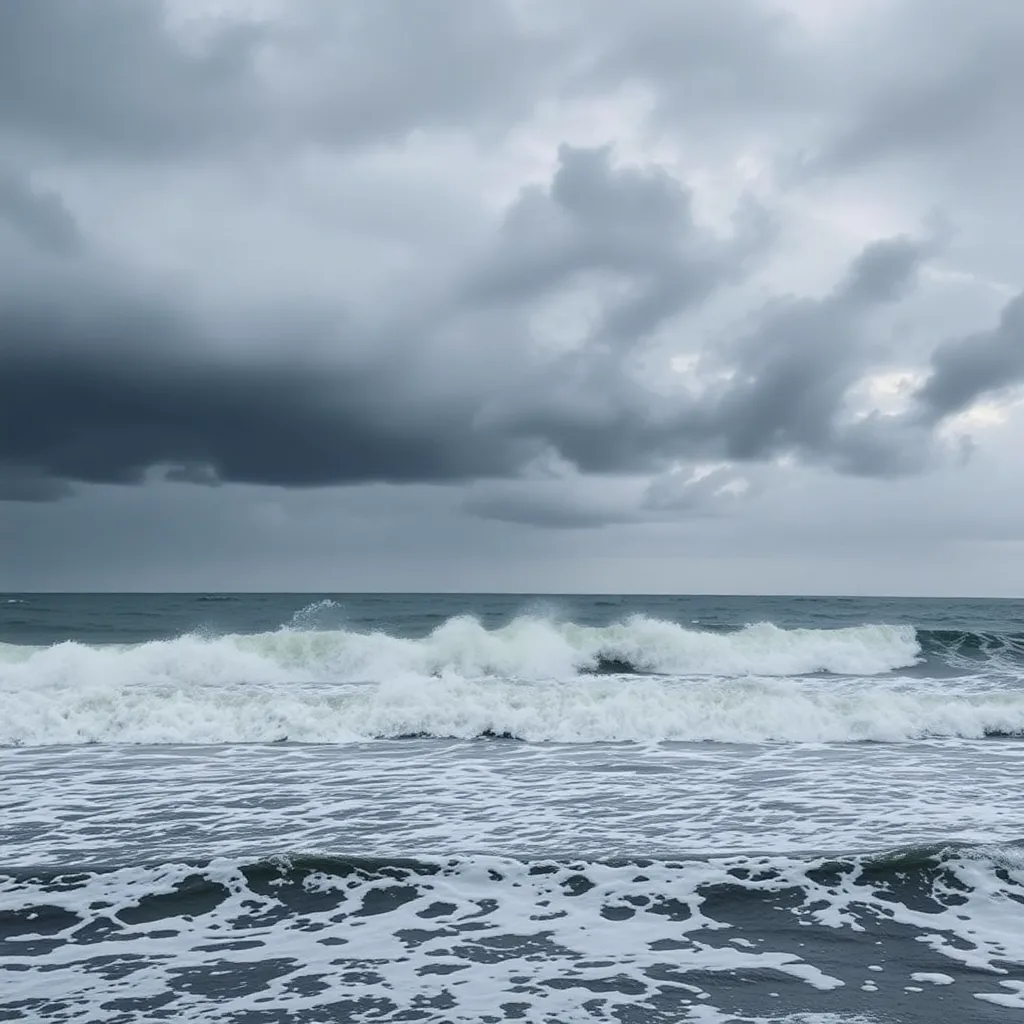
column 132, row 618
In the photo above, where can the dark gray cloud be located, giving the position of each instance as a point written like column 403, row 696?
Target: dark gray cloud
column 106, row 400
column 981, row 365
column 22, row 483
column 566, row 510
column 97, row 78
column 951, row 91
column 707, row 65
column 630, row 226
column 112, row 79
column 102, row 388
column 104, row 391
column 38, row 216
column 793, row 372
column 777, row 390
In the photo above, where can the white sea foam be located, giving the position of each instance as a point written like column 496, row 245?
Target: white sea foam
column 609, row 709
column 505, row 930
column 1012, row 1000
column 107, row 805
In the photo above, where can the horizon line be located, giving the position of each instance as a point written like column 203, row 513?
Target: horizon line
column 813, row 595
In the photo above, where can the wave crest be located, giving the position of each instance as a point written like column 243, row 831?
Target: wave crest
column 535, row 679
column 529, row 648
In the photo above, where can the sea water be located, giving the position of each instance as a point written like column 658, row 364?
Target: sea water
column 277, row 808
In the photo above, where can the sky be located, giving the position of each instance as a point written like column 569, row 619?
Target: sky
column 512, row 295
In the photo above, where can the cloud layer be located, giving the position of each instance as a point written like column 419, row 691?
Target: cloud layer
column 587, row 266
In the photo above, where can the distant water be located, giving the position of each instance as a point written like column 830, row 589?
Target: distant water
column 447, row 808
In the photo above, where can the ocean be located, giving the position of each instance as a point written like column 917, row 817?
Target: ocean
column 262, row 809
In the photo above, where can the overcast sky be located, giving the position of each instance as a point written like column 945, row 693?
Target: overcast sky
column 529, row 295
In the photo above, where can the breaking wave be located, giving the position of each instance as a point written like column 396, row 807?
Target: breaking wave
column 535, row 679
column 582, row 711
column 529, row 648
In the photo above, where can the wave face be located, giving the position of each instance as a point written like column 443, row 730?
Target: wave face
column 535, row 679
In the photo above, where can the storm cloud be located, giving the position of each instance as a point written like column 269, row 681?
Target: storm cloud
column 967, row 369
column 102, row 388
column 584, row 269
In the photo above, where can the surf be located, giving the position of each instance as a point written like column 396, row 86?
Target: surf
column 533, row 648
column 593, row 910
column 594, row 710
